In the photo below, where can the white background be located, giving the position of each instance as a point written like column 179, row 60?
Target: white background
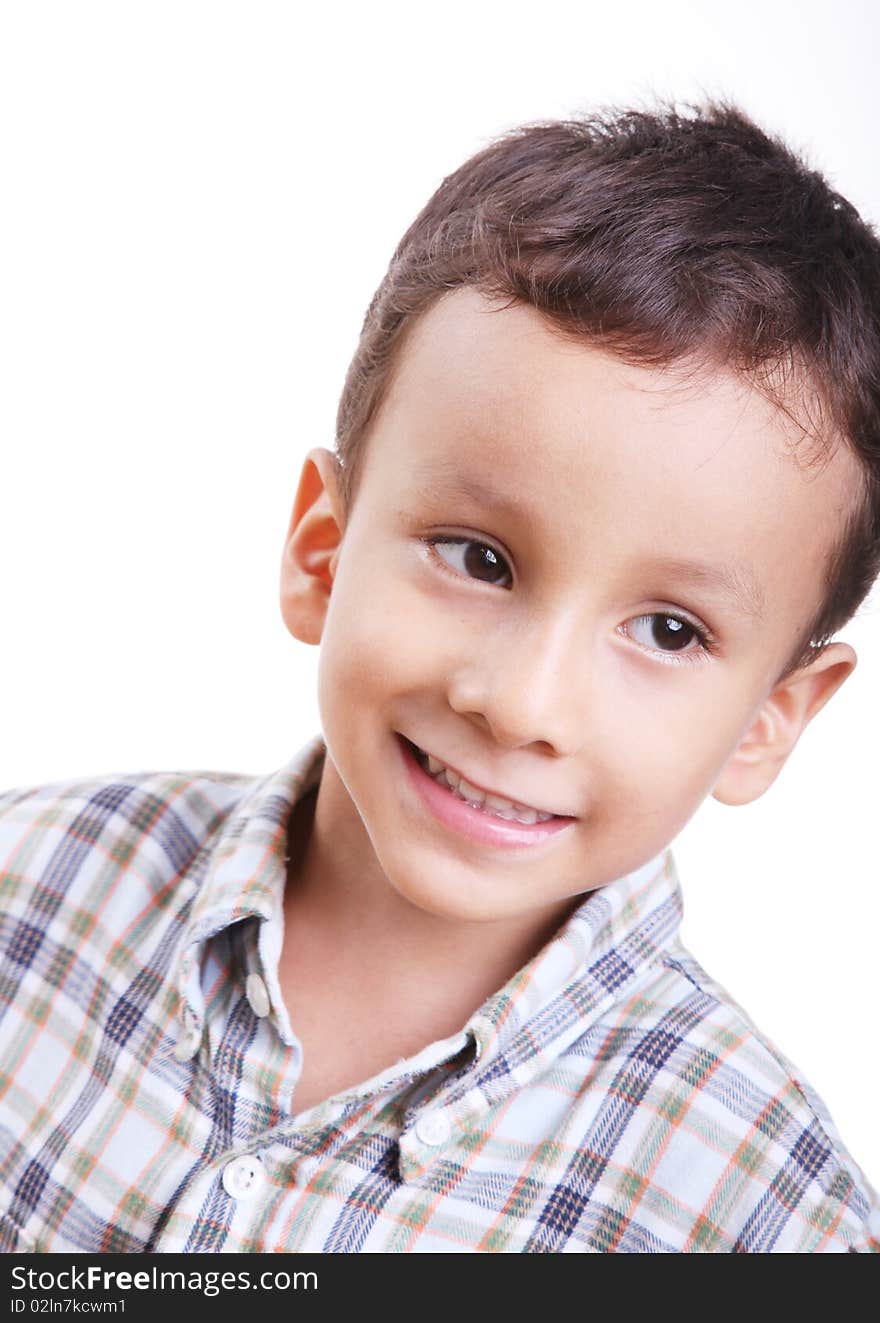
column 198, row 201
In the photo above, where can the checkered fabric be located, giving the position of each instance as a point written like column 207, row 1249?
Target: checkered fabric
column 611, row 1097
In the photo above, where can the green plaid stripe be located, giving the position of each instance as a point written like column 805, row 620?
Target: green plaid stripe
column 610, row 1098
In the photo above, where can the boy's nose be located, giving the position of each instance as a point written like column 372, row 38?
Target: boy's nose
column 527, row 686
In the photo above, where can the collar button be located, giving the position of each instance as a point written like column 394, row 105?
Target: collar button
column 187, row 1045
column 258, row 997
column 433, row 1128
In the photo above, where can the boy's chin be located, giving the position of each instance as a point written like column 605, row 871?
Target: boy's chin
column 476, row 900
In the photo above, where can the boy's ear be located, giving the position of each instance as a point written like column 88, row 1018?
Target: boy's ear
column 778, row 725
column 312, row 546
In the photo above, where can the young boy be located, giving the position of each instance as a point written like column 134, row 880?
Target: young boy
column 606, row 484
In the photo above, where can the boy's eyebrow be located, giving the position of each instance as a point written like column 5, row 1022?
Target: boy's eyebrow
column 735, row 583
column 458, row 485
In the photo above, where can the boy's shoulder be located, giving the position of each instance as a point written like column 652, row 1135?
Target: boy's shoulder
column 729, row 1121
column 159, row 826
column 118, row 870
column 151, row 823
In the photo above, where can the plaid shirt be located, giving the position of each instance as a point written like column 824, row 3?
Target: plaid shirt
column 611, row 1097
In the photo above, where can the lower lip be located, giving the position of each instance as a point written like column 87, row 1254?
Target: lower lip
column 474, row 823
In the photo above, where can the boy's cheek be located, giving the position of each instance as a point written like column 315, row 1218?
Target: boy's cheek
column 380, row 631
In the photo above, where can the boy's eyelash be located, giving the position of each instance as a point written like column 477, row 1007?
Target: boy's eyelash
column 705, row 639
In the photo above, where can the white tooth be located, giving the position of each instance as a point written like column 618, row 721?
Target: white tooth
column 496, row 802
column 471, row 793
column 499, row 807
column 527, row 816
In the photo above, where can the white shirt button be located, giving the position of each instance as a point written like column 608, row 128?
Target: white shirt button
column 258, row 997
column 243, row 1177
column 433, row 1128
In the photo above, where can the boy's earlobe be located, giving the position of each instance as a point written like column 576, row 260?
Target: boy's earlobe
column 779, row 723
column 312, row 546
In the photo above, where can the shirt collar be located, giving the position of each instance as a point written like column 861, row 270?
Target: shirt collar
column 245, row 866
column 595, row 960
column 604, row 946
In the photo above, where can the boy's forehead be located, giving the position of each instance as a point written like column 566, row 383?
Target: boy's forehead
column 484, row 360
column 465, row 344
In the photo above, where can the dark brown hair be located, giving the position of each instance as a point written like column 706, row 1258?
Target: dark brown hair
column 663, row 236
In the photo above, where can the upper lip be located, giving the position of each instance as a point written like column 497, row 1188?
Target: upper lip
column 487, row 790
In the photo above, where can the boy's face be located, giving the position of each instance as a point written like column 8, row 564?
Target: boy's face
column 562, row 667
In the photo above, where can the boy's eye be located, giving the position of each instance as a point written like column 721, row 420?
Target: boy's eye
column 475, row 560
column 662, row 632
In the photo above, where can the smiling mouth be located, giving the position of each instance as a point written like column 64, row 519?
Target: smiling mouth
column 496, row 806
